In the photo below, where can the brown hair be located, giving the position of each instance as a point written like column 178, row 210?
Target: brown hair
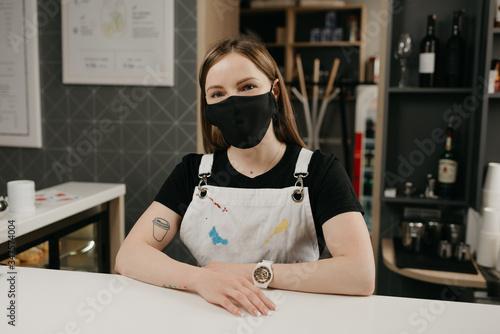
column 285, row 127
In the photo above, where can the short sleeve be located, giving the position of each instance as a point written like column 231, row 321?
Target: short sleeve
column 177, row 190
column 332, row 193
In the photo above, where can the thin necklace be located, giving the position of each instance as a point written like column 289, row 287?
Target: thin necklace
column 265, row 170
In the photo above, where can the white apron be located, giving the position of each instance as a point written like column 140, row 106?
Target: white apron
column 242, row 225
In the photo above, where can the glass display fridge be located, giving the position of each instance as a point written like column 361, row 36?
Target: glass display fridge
column 364, row 146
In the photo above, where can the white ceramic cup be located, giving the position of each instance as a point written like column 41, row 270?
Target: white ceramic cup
column 491, row 220
column 492, row 181
column 21, row 196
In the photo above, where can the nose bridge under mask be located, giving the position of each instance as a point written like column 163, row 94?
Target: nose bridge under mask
column 243, row 120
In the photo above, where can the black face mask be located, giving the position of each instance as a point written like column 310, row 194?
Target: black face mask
column 243, row 120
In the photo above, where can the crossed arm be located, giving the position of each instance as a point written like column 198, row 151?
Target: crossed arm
column 350, row 271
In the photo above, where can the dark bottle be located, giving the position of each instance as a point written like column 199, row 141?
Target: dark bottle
column 455, row 53
column 370, row 128
column 368, row 184
column 429, row 48
column 497, row 15
column 447, row 170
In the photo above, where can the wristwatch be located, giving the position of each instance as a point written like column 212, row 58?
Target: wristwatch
column 262, row 274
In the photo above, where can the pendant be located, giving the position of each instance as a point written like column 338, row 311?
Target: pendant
column 251, row 172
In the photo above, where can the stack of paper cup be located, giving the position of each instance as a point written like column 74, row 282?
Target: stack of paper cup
column 498, row 262
column 21, row 196
column 489, row 238
column 491, row 188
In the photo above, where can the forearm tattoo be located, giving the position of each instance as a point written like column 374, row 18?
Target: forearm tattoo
column 160, row 228
column 175, row 287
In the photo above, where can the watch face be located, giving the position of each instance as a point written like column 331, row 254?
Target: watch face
column 262, row 275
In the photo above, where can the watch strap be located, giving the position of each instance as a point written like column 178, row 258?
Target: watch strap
column 266, row 263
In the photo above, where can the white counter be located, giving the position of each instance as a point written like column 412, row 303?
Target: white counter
column 48, row 215
column 89, row 195
column 54, row 302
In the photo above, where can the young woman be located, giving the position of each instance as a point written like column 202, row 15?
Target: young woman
column 259, row 208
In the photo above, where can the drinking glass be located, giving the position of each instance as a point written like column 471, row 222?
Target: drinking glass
column 403, row 51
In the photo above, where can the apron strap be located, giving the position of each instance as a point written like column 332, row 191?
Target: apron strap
column 205, row 168
column 302, row 166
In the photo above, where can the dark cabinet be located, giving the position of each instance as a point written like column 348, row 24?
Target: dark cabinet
column 488, row 138
column 414, row 123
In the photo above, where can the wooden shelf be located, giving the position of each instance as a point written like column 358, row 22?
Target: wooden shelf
column 314, row 44
column 300, row 9
column 275, row 45
column 260, row 10
column 324, row 44
column 425, row 201
column 323, row 8
column 431, row 276
column 320, row 98
column 432, row 90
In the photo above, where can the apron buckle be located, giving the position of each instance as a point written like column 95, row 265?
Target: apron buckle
column 203, row 179
column 298, row 194
column 300, row 175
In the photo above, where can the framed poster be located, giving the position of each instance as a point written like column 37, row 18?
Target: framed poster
column 118, row 42
column 20, row 111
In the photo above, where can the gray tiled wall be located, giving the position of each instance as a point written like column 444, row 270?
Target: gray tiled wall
column 140, row 148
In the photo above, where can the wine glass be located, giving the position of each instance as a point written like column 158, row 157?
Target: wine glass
column 403, row 51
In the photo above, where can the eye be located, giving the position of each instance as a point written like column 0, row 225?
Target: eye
column 248, row 87
column 216, row 95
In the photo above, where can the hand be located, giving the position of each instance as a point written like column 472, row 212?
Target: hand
column 226, row 288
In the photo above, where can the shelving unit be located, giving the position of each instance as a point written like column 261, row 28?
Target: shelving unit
column 437, row 90
column 489, row 123
column 423, row 201
column 297, row 22
column 413, row 126
column 431, row 276
column 324, row 44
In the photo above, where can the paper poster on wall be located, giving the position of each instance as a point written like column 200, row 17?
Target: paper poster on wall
column 118, row 42
column 20, row 115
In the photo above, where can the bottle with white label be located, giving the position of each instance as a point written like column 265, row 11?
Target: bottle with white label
column 447, row 170
column 497, row 14
column 429, row 48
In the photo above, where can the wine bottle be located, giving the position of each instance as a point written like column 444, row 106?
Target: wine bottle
column 429, row 47
column 455, row 52
column 447, row 170
column 497, row 14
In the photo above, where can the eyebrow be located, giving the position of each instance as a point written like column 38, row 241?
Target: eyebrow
column 239, row 82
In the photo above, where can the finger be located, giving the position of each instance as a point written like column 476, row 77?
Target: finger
column 257, row 300
column 262, row 296
column 242, row 299
column 229, row 306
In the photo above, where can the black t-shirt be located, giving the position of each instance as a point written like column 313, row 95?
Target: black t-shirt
column 330, row 189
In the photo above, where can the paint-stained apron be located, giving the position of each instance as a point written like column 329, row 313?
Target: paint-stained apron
column 250, row 225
